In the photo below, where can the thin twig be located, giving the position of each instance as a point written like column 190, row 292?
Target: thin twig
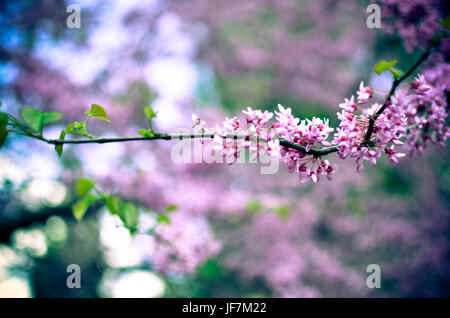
column 283, row 142
column 395, row 84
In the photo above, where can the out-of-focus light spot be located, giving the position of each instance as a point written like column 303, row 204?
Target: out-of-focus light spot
column 52, row 192
column 32, row 241
column 99, row 160
column 137, row 283
column 8, row 73
column 105, row 38
column 172, row 39
column 169, row 114
column 172, row 77
column 42, row 164
column 14, row 287
column 145, row 160
column 56, row 229
column 9, row 257
column 383, row 81
column 10, row 171
column 122, row 250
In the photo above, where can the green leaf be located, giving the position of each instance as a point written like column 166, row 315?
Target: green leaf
column 149, row 113
column 3, row 119
column 84, row 185
column 32, row 118
column 161, row 218
column 3, row 130
column 283, row 212
column 3, row 135
column 114, row 205
column 253, row 206
column 99, row 112
column 147, row 133
column 59, row 148
column 50, row 117
column 130, row 216
column 69, row 128
column 80, row 208
column 36, row 119
column 171, row 208
column 396, row 72
column 446, row 22
column 384, row 66
column 212, row 270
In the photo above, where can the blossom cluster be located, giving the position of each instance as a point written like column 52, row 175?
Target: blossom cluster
column 426, row 113
column 388, row 130
column 183, row 245
column 415, row 21
column 415, row 114
column 255, row 135
column 307, row 133
column 261, row 139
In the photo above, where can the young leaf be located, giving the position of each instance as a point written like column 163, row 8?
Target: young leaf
column 446, row 22
column 62, row 136
column 99, row 112
column 32, row 118
column 384, row 66
column 84, row 185
column 253, row 206
column 59, row 148
column 80, row 208
column 130, row 216
column 171, row 208
column 3, row 119
column 3, row 130
column 114, row 205
column 147, row 133
column 161, row 218
column 283, row 212
column 149, row 113
column 69, row 128
column 396, row 72
column 50, row 117
column 36, row 119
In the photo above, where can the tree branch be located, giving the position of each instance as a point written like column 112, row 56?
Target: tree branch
column 283, row 142
column 395, row 84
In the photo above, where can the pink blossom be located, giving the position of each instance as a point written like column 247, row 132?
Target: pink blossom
column 364, row 93
column 389, row 128
column 181, row 246
column 349, row 105
column 420, row 85
column 198, row 122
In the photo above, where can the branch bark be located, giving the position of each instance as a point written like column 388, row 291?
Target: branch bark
column 286, row 143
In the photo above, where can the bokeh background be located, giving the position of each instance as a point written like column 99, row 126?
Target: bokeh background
column 235, row 232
